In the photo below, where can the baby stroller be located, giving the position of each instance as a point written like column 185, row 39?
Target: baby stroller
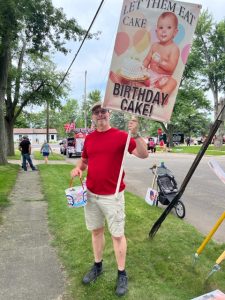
column 167, row 188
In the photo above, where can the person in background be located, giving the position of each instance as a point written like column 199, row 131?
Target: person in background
column 152, row 145
column 162, row 145
column 102, row 156
column 188, row 141
column 25, row 148
column 45, row 150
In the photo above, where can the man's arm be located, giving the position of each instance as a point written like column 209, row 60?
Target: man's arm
column 141, row 147
column 80, row 167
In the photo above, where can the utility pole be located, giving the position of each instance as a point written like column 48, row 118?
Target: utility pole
column 85, row 100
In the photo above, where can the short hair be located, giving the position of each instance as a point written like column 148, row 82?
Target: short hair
column 169, row 14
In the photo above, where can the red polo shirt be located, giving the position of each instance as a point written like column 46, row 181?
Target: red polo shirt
column 104, row 151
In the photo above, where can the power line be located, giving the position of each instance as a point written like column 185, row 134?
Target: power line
column 81, row 44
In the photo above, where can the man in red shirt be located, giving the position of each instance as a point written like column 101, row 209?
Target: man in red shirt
column 102, row 155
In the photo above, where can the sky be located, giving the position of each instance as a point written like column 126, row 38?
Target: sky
column 95, row 55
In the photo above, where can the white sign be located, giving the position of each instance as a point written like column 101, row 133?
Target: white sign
column 151, row 49
column 217, row 170
column 151, row 196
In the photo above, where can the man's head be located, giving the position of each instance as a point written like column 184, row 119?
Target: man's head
column 95, row 106
column 167, row 27
column 100, row 116
column 25, row 137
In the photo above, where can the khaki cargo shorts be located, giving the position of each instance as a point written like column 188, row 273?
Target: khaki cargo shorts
column 105, row 207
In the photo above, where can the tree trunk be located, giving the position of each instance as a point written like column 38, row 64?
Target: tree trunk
column 220, row 133
column 3, row 158
column 11, row 115
column 4, row 60
column 170, row 134
column 9, row 138
column 47, row 123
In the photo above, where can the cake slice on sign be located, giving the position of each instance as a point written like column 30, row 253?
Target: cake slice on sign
column 133, row 70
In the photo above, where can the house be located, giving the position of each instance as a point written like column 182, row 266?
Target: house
column 36, row 136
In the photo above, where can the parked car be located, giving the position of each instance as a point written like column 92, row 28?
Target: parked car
column 198, row 141
column 65, row 143
column 72, row 146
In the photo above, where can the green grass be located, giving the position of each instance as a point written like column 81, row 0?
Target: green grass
column 17, row 156
column 37, row 155
column 54, row 156
column 158, row 269
column 195, row 149
column 8, row 174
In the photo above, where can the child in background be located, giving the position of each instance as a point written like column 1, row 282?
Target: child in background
column 162, row 145
column 152, row 146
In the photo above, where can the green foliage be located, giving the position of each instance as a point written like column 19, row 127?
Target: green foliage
column 119, row 120
column 190, row 111
column 30, row 30
column 39, row 83
column 211, row 150
column 207, row 54
column 52, row 156
column 92, row 98
column 23, row 120
column 68, row 113
column 17, row 156
column 161, row 268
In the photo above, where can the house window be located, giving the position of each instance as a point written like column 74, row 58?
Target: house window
column 52, row 136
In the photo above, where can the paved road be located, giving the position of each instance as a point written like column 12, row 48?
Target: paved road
column 204, row 196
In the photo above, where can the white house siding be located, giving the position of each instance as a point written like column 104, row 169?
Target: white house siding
column 36, row 136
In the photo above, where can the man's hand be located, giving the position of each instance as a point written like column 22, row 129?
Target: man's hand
column 133, row 126
column 76, row 172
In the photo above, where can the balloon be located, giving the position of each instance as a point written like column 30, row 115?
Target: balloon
column 141, row 40
column 122, row 43
column 180, row 35
column 184, row 53
column 154, row 35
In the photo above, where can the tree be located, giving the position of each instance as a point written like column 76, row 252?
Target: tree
column 68, row 113
column 190, row 115
column 23, row 120
column 8, row 25
column 208, row 52
column 36, row 84
column 92, row 98
column 35, row 27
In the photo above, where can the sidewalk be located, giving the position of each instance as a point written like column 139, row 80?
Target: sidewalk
column 29, row 266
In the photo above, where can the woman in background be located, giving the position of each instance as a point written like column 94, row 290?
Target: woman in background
column 45, row 150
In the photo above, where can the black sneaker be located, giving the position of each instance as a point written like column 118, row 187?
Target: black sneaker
column 122, row 285
column 92, row 275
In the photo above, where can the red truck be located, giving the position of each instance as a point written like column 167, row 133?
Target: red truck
column 73, row 146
